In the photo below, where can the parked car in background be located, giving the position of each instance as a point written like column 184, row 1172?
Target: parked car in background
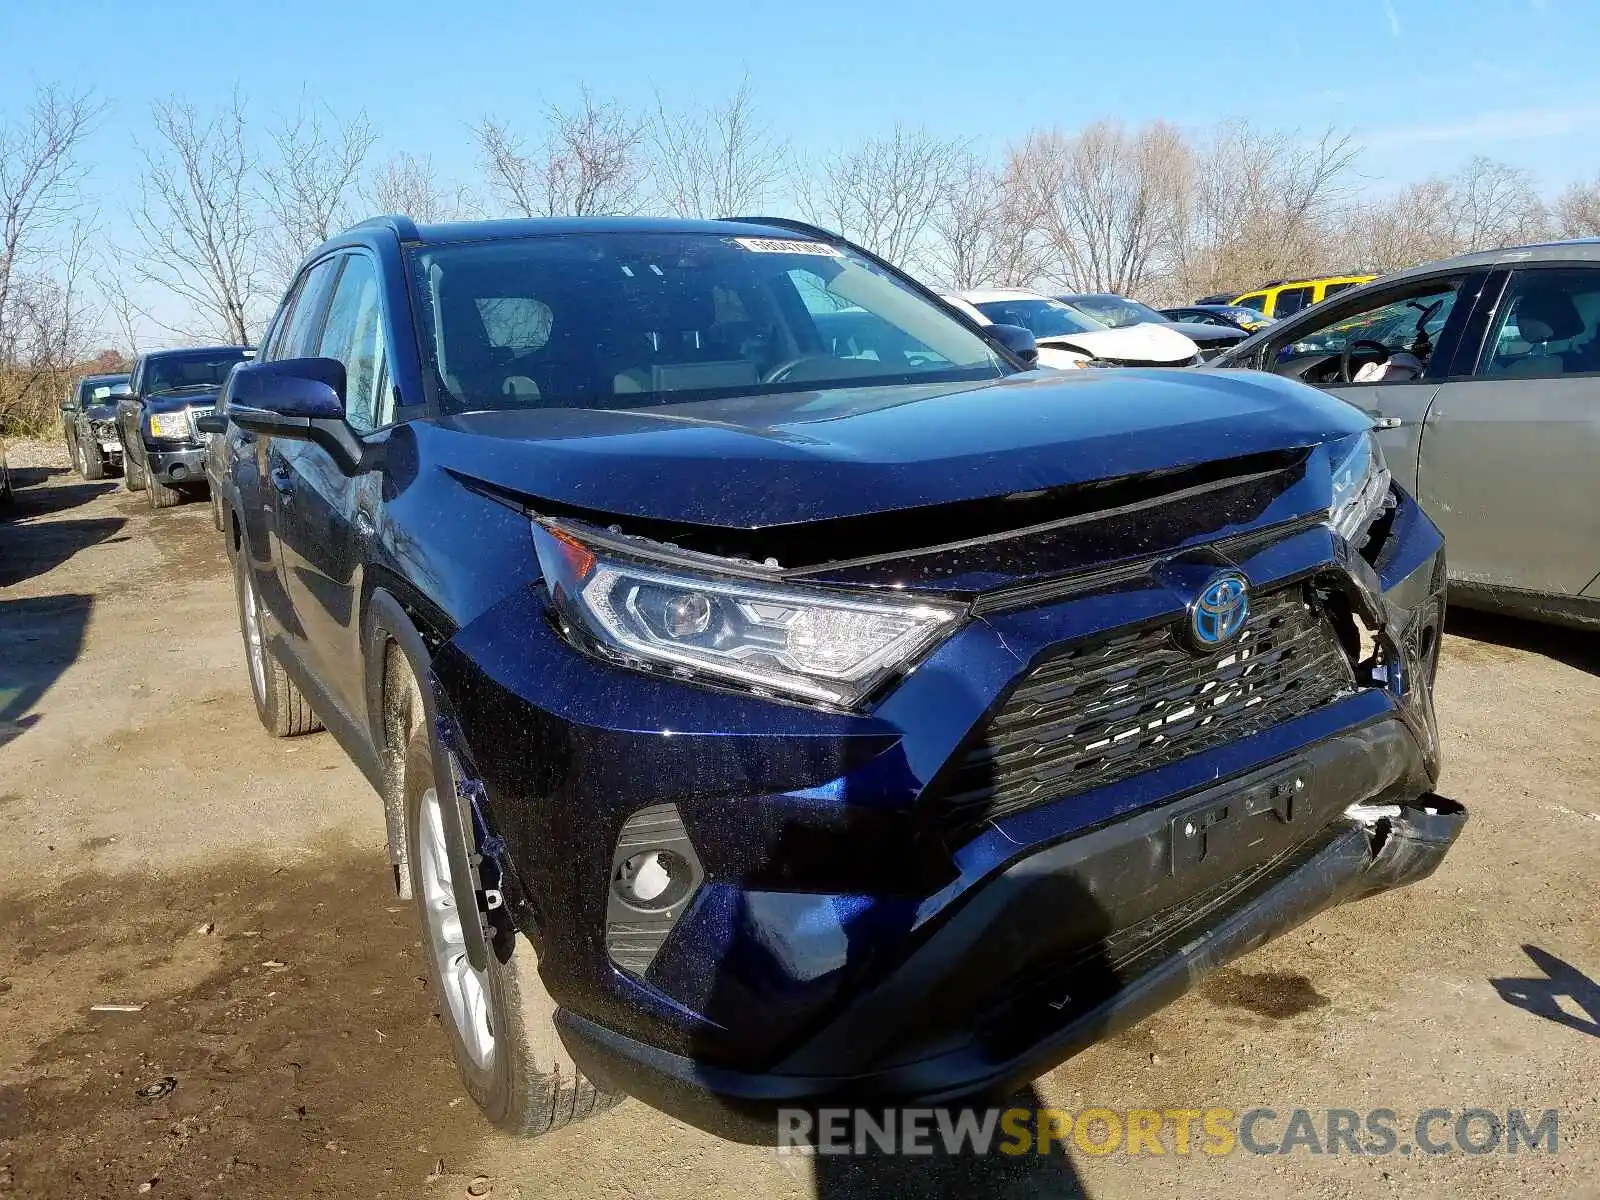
column 1052, row 357
column 1482, row 375
column 1285, row 297
column 1235, row 315
column 763, row 722
column 7, row 494
column 1118, row 312
column 1058, row 326
column 163, row 453
column 89, row 425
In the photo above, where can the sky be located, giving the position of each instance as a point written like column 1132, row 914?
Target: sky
column 1424, row 84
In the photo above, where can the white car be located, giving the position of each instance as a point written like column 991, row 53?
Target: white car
column 1064, row 332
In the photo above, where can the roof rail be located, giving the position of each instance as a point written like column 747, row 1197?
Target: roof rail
column 402, row 226
column 788, row 223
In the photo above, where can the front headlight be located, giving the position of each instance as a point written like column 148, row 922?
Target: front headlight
column 808, row 643
column 170, row 424
column 1360, row 486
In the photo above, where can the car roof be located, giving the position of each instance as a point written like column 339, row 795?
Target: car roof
column 438, row 233
column 990, row 295
column 190, row 351
column 1574, row 250
column 1069, row 297
column 101, row 378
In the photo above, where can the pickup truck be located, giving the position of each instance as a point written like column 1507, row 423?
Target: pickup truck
column 163, row 453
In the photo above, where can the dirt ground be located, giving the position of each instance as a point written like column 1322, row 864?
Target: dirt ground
column 158, row 849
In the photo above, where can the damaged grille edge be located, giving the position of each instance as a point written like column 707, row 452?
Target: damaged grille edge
column 1118, row 704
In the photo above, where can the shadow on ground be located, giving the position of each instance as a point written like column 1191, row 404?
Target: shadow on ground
column 39, row 639
column 1578, row 648
column 286, row 1046
column 29, row 545
column 1542, row 996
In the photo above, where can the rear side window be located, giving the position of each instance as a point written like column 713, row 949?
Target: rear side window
column 1548, row 325
column 1291, row 300
column 1256, row 301
column 1333, row 289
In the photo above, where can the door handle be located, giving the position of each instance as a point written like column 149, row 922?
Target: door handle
column 363, row 523
column 283, row 480
column 1387, row 422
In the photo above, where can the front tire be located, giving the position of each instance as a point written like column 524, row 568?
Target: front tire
column 75, row 454
column 162, row 495
column 91, row 463
column 279, row 703
column 500, row 1021
column 133, row 475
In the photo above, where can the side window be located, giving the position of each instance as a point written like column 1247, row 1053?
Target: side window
column 1333, row 289
column 1291, row 300
column 1409, row 322
column 271, row 344
column 1256, row 300
column 353, row 334
column 1548, row 325
column 301, row 329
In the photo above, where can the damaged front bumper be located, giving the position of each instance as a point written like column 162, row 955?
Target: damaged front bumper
column 842, row 934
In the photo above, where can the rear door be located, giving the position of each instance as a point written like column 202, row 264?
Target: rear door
column 258, row 461
column 1510, row 463
column 325, row 516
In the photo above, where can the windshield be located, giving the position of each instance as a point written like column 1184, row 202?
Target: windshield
column 1042, row 318
column 1116, row 312
column 624, row 321
column 95, row 392
column 180, row 374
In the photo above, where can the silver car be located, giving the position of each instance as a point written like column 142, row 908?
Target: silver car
column 1482, row 376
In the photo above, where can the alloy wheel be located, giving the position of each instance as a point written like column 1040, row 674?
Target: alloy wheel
column 466, row 989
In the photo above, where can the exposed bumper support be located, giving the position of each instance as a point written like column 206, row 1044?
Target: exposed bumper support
column 1358, row 860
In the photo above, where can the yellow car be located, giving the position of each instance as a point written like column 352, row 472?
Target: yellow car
column 1282, row 297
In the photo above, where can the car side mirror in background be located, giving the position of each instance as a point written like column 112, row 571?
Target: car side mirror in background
column 1017, row 340
column 300, row 398
column 212, row 422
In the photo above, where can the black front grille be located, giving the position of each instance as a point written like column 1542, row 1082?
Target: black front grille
column 1111, row 707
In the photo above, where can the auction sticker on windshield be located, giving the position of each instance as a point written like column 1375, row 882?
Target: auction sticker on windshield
column 785, row 246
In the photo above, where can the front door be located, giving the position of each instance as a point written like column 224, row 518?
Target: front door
column 325, row 516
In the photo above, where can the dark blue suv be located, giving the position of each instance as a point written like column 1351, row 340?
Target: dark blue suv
column 780, row 693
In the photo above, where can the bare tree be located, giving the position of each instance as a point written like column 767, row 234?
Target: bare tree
column 1483, row 206
column 1577, row 211
column 407, row 183
column 195, row 220
column 310, row 186
column 886, row 192
column 1260, row 205
column 39, row 263
column 592, row 162
column 979, row 234
column 720, row 161
column 1104, row 201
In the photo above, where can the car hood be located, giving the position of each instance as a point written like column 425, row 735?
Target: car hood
column 1149, row 343
column 760, row 461
column 1203, row 334
column 173, row 401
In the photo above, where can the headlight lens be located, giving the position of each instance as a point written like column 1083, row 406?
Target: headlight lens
column 807, row 643
column 170, row 425
column 1360, row 486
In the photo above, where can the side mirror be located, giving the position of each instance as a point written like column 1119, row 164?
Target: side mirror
column 282, row 398
column 1017, row 340
column 299, row 398
column 212, row 422
column 120, row 389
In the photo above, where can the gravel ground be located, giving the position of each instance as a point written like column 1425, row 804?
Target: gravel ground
column 157, row 849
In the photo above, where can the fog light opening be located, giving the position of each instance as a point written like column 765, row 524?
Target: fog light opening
column 654, row 880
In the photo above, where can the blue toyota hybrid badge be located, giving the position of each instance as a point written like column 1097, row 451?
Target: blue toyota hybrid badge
column 1218, row 613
